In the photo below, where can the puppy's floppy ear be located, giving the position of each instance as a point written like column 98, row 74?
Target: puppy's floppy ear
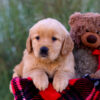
column 67, row 46
column 29, row 44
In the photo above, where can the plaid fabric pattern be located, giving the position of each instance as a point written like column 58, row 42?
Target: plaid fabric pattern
column 78, row 89
column 23, row 89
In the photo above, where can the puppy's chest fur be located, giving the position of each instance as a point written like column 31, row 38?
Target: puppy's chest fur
column 33, row 63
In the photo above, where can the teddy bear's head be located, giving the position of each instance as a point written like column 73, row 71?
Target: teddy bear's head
column 85, row 32
column 85, row 29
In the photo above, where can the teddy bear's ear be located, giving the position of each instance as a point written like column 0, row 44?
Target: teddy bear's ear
column 74, row 17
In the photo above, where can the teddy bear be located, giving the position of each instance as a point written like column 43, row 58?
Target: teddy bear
column 85, row 32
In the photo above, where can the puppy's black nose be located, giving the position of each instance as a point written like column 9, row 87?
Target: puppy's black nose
column 43, row 51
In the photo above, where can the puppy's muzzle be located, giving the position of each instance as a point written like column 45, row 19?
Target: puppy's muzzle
column 44, row 51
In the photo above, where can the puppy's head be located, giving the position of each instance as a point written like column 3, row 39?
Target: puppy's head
column 48, row 39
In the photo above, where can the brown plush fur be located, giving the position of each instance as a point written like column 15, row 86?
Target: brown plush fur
column 80, row 24
column 96, row 75
column 59, row 63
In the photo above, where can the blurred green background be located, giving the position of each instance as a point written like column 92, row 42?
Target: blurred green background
column 17, row 16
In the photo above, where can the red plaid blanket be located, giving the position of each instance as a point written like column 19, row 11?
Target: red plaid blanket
column 85, row 88
column 78, row 89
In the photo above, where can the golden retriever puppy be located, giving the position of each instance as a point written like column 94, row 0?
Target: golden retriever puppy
column 48, row 53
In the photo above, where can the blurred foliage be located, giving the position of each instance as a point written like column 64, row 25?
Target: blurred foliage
column 17, row 16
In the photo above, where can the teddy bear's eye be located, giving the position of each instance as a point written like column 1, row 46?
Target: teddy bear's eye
column 87, row 30
column 54, row 38
column 98, row 32
column 37, row 37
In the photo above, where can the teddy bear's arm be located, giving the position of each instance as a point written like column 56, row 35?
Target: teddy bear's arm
column 96, row 75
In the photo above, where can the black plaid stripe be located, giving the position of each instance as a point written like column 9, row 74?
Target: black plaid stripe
column 17, row 94
column 28, row 89
column 37, row 97
column 79, row 91
column 70, row 94
column 84, row 87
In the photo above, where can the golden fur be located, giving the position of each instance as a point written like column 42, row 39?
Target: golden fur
column 59, row 63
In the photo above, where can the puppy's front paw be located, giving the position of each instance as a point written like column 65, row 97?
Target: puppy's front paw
column 59, row 84
column 41, row 82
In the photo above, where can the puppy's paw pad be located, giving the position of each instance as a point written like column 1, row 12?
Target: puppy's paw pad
column 41, row 83
column 60, row 85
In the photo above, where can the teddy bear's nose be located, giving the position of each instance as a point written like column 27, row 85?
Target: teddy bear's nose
column 91, row 39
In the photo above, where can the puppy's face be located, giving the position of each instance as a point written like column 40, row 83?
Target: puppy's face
column 48, row 42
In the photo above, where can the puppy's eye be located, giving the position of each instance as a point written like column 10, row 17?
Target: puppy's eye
column 37, row 37
column 54, row 38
